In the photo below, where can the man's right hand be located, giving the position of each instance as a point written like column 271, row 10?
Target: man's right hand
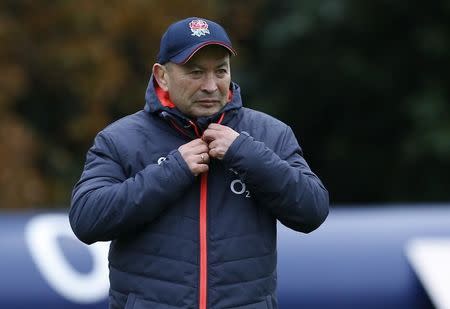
column 195, row 153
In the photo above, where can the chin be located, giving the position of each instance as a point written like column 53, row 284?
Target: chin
column 205, row 113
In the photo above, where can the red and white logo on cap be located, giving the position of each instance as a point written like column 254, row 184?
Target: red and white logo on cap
column 199, row 27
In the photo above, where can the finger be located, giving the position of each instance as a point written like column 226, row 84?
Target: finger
column 193, row 143
column 198, row 149
column 196, row 142
column 200, row 168
column 215, row 153
column 204, row 158
column 202, row 149
column 195, row 148
column 216, row 126
column 213, row 144
column 210, row 135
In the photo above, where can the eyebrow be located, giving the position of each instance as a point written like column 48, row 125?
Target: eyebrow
column 222, row 64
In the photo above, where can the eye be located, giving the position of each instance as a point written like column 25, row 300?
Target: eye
column 221, row 72
column 196, row 73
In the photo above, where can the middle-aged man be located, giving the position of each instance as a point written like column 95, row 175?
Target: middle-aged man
column 189, row 189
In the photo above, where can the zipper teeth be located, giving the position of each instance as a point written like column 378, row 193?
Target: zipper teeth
column 203, row 241
column 203, row 231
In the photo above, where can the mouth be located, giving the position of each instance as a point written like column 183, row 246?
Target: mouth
column 208, row 102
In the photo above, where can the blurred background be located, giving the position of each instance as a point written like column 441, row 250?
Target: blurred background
column 364, row 85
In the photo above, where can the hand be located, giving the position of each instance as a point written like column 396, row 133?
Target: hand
column 195, row 153
column 219, row 139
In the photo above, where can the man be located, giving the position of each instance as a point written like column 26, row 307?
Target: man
column 189, row 189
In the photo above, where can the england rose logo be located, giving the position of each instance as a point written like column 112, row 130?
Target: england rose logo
column 199, row 27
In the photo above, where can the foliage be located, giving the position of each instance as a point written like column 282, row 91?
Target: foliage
column 365, row 86
column 68, row 69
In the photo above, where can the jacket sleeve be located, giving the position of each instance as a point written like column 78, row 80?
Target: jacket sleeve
column 105, row 203
column 283, row 183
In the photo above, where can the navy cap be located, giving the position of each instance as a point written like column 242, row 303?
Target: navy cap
column 185, row 37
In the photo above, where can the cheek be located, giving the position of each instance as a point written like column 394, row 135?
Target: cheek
column 189, row 90
column 224, row 87
column 182, row 90
column 184, row 84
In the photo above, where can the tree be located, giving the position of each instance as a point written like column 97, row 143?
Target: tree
column 68, row 69
column 366, row 87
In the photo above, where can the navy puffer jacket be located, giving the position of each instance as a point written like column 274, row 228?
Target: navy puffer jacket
column 180, row 241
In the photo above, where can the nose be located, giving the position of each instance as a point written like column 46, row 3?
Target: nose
column 209, row 84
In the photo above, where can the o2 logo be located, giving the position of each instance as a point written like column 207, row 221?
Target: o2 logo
column 238, row 187
column 41, row 237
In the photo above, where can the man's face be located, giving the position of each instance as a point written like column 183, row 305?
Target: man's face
column 200, row 87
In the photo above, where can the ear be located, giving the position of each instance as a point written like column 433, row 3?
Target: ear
column 161, row 76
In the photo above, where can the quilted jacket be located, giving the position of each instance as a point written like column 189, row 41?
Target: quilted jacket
column 185, row 241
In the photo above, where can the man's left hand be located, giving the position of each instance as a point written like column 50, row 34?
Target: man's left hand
column 219, row 139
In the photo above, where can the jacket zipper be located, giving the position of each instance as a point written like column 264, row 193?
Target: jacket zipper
column 203, row 241
column 203, row 231
column 203, row 227
column 203, row 215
